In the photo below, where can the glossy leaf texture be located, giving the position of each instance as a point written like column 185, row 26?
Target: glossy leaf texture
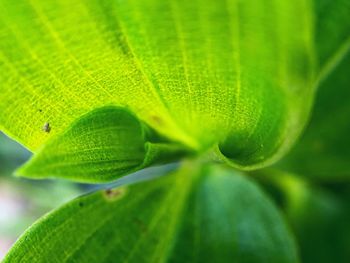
column 100, row 146
column 197, row 214
column 232, row 77
column 323, row 151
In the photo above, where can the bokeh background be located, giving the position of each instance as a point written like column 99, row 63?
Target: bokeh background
column 23, row 201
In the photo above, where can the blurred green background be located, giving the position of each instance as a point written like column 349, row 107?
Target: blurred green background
column 24, row 201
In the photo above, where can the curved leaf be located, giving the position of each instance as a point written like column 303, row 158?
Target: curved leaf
column 205, row 214
column 324, row 150
column 233, row 76
column 332, row 33
column 101, row 146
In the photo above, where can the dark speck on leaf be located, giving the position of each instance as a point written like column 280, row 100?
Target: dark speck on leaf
column 113, row 194
column 40, row 110
column 81, row 204
column 46, row 127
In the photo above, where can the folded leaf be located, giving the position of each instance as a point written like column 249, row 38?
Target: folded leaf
column 324, row 150
column 198, row 214
column 233, row 76
column 101, row 146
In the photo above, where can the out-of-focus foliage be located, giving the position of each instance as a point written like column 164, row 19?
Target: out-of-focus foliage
column 11, row 155
column 22, row 201
column 319, row 214
column 324, row 149
column 198, row 214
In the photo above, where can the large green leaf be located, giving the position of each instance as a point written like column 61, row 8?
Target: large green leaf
column 233, row 76
column 324, row 150
column 198, row 214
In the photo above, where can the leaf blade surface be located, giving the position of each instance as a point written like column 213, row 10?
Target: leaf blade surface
column 198, row 214
column 204, row 74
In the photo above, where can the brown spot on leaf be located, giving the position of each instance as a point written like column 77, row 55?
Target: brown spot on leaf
column 114, row 194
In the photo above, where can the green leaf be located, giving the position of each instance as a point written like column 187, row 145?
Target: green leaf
column 324, row 150
column 198, row 214
column 332, row 33
column 232, row 77
column 100, row 146
column 321, row 225
column 318, row 214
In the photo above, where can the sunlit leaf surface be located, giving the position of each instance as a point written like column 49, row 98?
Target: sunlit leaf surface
column 100, row 146
column 232, row 77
